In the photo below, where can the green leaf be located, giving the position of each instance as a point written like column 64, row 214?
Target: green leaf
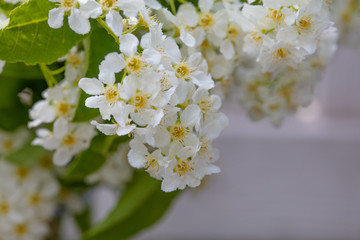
column 11, row 118
column 27, row 155
column 21, row 71
column 141, row 205
column 83, row 165
column 28, row 37
column 101, row 44
column 83, row 219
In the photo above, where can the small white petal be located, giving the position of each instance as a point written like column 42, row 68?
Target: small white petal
column 56, row 18
column 202, row 80
column 113, row 63
column 62, row 157
column 227, row 49
column 78, row 22
column 115, row 22
column 191, row 115
column 90, row 8
column 206, row 5
column 153, row 4
column 91, row 86
column 129, row 44
column 187, row 38
column 152, row 56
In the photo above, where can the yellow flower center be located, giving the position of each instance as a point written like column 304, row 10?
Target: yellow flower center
column 22, row 172
column 233, row 32
column 20, row 229
column 4, row 207
column 69, row 4
column 69, row 140
column 178, row 132
column 183, row 70
column 206, row 20
column 112, row 94
column 107, row 5
column 205, row 105
column 257, row 38
column 305, row 23
column 8, row 145
column 63, row 108
column 34, row 199
column 281, row 53
column 182, row 167
column 74, row 60
column 134, row 64
column 152, row 165
column 140, row 100
column 275, row 15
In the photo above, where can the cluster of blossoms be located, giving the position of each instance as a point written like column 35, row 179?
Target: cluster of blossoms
column 276, row 96
column 274, row 46
column 58, row 107
column 346, row 15
column 164, row 103
column 28, row 194
column 81, row 11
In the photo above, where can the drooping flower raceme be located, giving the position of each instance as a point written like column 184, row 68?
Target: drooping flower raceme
column 154, row 102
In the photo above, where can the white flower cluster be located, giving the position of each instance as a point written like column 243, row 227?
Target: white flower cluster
column 283, row 34
column 58, row 107
column 268, row 45
column 346, row 14
column 164, row 102
column 80, row 11
column 276, row 95
column 27, row 202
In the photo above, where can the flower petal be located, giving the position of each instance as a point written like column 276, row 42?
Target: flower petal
column 115, row 22
column 56, row 18
column 78, row 22
column 129, row 44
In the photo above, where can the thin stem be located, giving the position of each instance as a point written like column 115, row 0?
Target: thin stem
column 104, row 25
column 58, row 71
column 50, row 80
column 131, row 29
column 172, row 6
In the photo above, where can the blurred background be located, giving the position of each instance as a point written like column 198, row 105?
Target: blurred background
column 300, row 181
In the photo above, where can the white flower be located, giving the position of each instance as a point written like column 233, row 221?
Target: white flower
column 139, row 157
column 11, row 141
column 67, row 139
column 60, row 101
column 195, row 70
column 75, row 65
column 280, row 56
column 159, row 49
column 80, row 12
column 140, row 92
column 186, row 18
column 186, row 170
column 105, row 89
